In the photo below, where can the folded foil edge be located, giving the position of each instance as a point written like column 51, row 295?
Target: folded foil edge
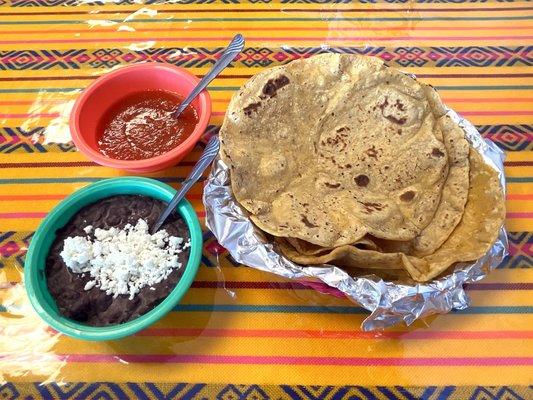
column 389, row 303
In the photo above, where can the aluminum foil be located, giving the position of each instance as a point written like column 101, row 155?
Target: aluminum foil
column 389, row 303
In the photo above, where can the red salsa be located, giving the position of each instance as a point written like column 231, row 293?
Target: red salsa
column 141, row 126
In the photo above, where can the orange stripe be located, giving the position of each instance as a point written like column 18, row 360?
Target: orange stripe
column 336, row 334
column 22, row 197
column 31, row 102
column 273, row 38
column 528, row 196
column 276, row 29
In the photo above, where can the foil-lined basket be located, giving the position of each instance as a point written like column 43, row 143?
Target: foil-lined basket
column 389, row 303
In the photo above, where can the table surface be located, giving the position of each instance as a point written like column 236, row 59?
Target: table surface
column 241, row 333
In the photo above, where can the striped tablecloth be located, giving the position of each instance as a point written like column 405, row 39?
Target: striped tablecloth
column 240, row 333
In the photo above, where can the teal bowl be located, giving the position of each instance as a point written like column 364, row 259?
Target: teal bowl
column 34, row 266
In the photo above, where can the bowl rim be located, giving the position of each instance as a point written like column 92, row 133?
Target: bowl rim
column 79, row 330
column 204, row 115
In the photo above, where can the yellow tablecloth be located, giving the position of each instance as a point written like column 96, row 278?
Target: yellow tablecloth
column 239, row 326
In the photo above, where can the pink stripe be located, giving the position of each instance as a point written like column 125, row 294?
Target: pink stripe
column 496, row 112
column 292, row 360
column 23, row 215
column 30, row 115
column 520, row 215
column 272, row 38
column 201, row 214
column 478, row 113
column 498, row 100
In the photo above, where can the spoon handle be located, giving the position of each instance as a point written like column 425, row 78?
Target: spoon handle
column 210, row 152
column 235, row 47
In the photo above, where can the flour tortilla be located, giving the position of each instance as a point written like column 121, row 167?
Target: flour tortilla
column 454, row 194
column 452, row 202
column 478, row 229
column 310, row 249
column 472, row 237
column 335, row 147
column 347, row 256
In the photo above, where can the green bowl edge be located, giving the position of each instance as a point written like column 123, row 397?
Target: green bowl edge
column 48, row 312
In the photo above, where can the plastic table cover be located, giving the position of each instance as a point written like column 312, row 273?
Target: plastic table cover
column 239, row 332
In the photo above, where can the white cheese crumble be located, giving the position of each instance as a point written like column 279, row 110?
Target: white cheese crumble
column 123, row 261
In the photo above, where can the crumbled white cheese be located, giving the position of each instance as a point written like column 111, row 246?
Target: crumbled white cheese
column 123, row 261
column 175, row 241
column 88, row 229
column 89, row 285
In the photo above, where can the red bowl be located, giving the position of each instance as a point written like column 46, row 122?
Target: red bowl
column 98, row 97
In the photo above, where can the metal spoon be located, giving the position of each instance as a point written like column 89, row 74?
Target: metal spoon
column 210, row 152
column 235, row 47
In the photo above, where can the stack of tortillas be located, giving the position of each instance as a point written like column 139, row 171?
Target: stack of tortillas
column 345, row 161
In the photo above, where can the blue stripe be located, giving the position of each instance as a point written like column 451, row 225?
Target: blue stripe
column 496, row 310
column 521, row 179
column 283, row 309
column 445, row 393
column 332, row 309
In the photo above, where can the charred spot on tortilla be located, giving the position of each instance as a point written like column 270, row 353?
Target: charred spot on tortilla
column 273, row 85
column 372, row 152
column 407, row 196
column 370, row 207
column 399, row 105
column 308, row 223
column 437, row 153
column 251, row 108
column 392, row 118
column 362, row 180
column 399, row 121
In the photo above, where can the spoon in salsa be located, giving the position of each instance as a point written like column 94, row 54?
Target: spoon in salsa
column 210, row 152
column 235, row 47
column 211, row 149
